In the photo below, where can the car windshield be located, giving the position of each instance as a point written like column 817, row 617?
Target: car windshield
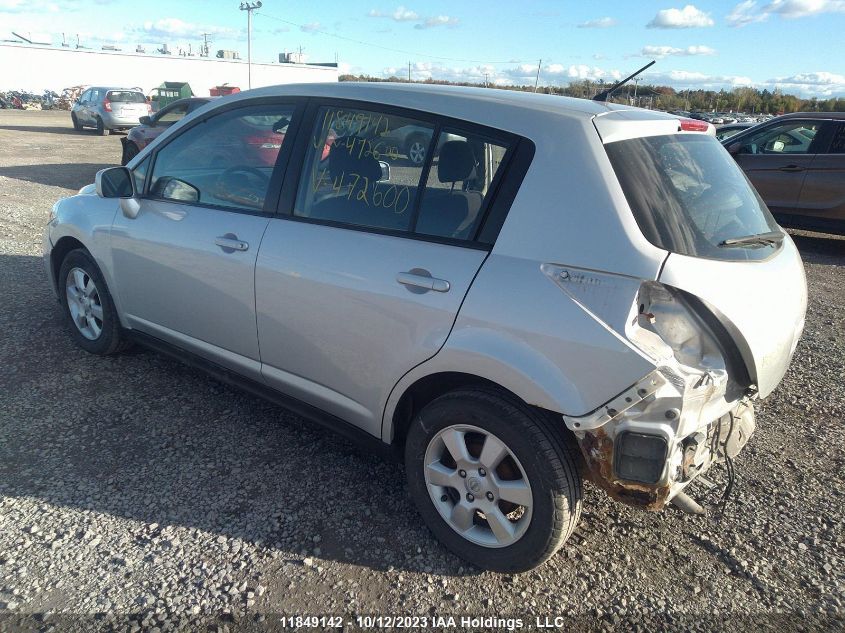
column 689, row 196
column 126, row 96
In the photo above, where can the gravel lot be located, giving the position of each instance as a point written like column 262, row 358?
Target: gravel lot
column 142, row 491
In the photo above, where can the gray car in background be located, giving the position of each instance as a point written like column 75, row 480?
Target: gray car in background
column 109, row 108
column 567, row 289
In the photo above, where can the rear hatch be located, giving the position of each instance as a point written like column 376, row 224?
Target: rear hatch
column 691, row 199
column 128, row 104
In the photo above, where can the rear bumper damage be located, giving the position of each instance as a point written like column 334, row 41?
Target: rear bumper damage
column 647, row 444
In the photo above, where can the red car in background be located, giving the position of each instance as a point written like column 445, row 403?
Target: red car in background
column 151, row 126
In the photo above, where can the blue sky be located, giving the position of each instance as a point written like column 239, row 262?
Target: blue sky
column 797, row 45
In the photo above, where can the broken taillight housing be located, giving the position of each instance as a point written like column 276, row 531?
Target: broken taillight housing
column 106, row 105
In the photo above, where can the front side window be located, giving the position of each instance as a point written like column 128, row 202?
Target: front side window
column 358, row 172
column 226, row 160
column 139, row 175
column 461, row 176
column 791, row 137
column 689, row 196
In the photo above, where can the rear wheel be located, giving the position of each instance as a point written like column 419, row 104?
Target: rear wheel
column 416, row 149
column 76, row 124
column 102, row 130
column 493, row 479
column 88, row 306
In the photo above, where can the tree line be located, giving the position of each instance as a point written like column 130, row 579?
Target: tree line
column 745, row 99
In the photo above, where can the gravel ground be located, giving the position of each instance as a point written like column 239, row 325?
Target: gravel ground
column 135, row 492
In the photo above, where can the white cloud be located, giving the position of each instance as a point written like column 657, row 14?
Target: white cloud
column 598, row 23
column 819, row 83
column 665, row 51
column 400, row 14
column 804, row 8
column 437, row 20
column 686, row 18
column 746, row 12
column 166, row 28
column 310, row 27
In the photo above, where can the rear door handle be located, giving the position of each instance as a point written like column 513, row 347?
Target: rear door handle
column 230, row 243
column 418, row 280
column 792, row 168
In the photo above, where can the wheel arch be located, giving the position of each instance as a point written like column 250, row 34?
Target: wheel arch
column 58, row 253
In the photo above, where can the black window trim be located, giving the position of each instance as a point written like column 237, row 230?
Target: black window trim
column 500, row 197
column 282, row 160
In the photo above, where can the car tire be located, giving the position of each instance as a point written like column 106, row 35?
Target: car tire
column 76, row 124
column 88, row 306
column 102, row 130
column 130, row 151
column 535, row 466
column 416, row 149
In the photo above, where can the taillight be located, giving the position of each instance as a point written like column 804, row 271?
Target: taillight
column 693, row 125
column 107, row 105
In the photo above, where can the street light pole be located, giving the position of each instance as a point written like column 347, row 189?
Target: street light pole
column 249, row 7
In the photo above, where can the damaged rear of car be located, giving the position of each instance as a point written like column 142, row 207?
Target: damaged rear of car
column 720, row 323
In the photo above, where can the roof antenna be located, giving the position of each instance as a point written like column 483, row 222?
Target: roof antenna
column 604, row 95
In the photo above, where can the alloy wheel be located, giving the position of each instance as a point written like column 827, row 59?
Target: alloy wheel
column 416, row 152
column 478, row 486
column 83, row 303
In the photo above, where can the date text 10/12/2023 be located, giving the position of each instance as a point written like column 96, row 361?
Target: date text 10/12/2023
column 423, row 622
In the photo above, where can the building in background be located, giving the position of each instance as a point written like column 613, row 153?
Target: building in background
column 34, row 68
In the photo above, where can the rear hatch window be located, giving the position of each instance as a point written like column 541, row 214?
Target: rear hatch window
column 690, row 197
column 126, row 96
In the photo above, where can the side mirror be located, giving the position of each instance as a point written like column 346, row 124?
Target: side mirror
column 174, row 189
column 734, row 148
column 145, row 120
column 385, row 171
column 114, row 182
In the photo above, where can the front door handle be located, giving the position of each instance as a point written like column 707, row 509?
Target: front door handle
column 230, row 243
column 792, row 168
column 418, row 280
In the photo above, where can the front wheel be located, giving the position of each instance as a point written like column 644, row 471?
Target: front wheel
column 493, row 479
column 416, row 149
column 88, row 307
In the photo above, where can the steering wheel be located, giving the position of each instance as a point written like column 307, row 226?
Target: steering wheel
column 243, row 169
column 241, row 193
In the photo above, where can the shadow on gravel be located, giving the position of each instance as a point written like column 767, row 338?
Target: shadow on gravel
column 820, row 248
column 65, row 175
column 46, row 129
column 148, row 440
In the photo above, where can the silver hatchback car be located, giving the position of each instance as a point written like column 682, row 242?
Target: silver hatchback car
column 106, row 109
column 565, row 290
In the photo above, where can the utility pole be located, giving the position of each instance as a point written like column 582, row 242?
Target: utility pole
column 486, row 83
column 636, row 85
column 205, row 43
column 409, row 72
column 249, row 7
column 537, row 79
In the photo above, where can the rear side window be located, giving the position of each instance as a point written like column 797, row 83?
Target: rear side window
column 361, row 168
column 837, row 145
column 225, row 161
column 126, row 96
column 688, row 195
column 463, row 170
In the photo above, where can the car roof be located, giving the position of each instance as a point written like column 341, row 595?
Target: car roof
column 447, row 100
column 114, row 88
column 837, row 116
